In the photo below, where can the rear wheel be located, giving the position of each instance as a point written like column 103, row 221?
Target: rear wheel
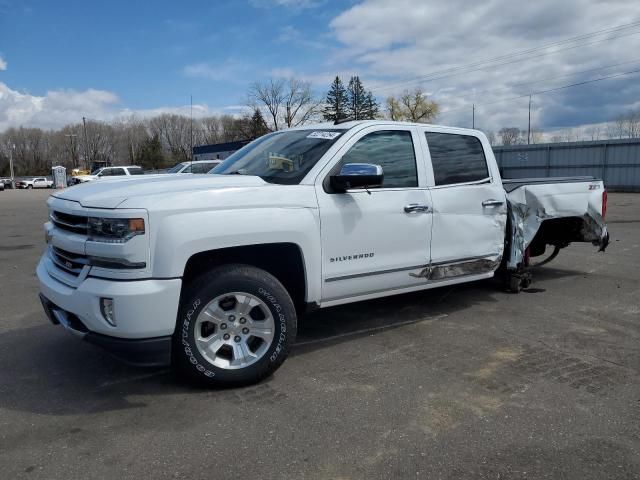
column 235, row 326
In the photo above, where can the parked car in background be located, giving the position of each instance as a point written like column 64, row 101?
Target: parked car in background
column 36, row 182
column 107, row 172
column 199, row 166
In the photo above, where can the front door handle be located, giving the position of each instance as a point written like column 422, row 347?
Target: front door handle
column 416, row 207
column 492, row 203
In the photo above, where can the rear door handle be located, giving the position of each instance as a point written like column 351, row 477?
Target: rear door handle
column 492, row 203
column 416, row 207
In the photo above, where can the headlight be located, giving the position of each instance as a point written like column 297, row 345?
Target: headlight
column 114, row 230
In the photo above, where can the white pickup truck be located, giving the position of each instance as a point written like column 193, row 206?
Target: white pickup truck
column 37, row 182
column 109, row 172
column 211, row 272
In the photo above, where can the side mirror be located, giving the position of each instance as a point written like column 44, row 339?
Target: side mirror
column 357, row 175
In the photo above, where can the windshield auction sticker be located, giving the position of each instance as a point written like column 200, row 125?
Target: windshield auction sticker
column 324, row 135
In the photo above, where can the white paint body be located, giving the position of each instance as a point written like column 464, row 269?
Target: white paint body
column 104, row 173
column 38, row 182
column 189, row 214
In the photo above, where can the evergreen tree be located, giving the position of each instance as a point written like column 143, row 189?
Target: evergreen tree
column 150, row 156
column 357, row 97
column 372, row 107
column 336, row 101
column 258, row 126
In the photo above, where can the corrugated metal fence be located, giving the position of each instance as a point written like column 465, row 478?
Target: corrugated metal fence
column 617, row 162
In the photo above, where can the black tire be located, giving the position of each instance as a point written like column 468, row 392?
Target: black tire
column 515, row 284
column 219, row 281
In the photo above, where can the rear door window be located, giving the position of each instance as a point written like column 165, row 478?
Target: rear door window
column 136, row 171
column 118, row 171
column 456, row 158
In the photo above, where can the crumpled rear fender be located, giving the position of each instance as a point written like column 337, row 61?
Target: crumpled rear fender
column 525, row 221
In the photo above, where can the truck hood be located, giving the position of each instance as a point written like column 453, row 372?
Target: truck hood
column 144, row 192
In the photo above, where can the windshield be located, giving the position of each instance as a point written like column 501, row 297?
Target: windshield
column 96, row 172
column 281, row 157
column 176, row 168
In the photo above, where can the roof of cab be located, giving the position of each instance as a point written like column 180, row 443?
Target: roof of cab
column 354, row 123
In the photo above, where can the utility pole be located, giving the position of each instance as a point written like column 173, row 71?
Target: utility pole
column 73, row 158
column 191, row 133
column 86, row 144
column 473, row 117
column 529, row 128
column 12, row 147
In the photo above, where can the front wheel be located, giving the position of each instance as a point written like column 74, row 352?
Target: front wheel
column 235, row 326
column 30, row 187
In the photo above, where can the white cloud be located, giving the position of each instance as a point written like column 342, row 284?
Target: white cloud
column 390, row 43
column 3, row 64
column 292, row 4
column 61, row 107
column 229, row 71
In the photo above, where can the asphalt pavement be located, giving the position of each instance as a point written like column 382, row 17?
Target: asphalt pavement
column 463, row 382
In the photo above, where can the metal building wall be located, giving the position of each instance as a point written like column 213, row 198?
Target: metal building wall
column 617, row 162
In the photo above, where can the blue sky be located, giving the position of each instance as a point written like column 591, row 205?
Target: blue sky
column 145, row 53
column 61, row 60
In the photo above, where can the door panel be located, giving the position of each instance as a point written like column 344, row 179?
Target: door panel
column 462, row 227
column 369, row 242
column 469, row 205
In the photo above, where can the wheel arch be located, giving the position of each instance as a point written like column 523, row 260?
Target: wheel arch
column 283, row 260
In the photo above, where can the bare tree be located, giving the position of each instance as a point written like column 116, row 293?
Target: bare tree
column 174, row 132
column 593, row 132
column 631, row 122
column 270, row 95
column 300, row 104
column 131, row 135
column 394, row 109
column 509, row 136
column 211, row 130
column 412, row 106
column 288, row 102
column 492, row 137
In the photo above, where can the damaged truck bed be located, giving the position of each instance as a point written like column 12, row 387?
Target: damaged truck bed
column 550, row 212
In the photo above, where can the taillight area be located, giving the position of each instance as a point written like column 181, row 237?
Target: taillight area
column 604, row 204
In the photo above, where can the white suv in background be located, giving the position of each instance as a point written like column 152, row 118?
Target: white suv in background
column 106, row 172
column 199, row 166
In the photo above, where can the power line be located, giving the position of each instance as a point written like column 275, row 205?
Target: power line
column 540, row 92
column 604, row 67
column 511, row 61
column 466, row 68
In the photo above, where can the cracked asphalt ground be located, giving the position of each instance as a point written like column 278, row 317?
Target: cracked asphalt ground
column 454, row 383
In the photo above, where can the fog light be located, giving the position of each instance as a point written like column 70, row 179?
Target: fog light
column 106, row 308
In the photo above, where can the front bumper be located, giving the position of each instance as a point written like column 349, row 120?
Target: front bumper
column 142, row 352
column 145, row 313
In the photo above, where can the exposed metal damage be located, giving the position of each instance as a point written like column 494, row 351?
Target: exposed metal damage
column 530, row 206
column 467, row 266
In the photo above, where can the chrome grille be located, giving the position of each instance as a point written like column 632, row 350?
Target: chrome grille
column 72, row 263
column 71, row 223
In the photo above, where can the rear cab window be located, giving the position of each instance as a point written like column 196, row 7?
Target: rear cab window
column 456, row 158
column 136, row 171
